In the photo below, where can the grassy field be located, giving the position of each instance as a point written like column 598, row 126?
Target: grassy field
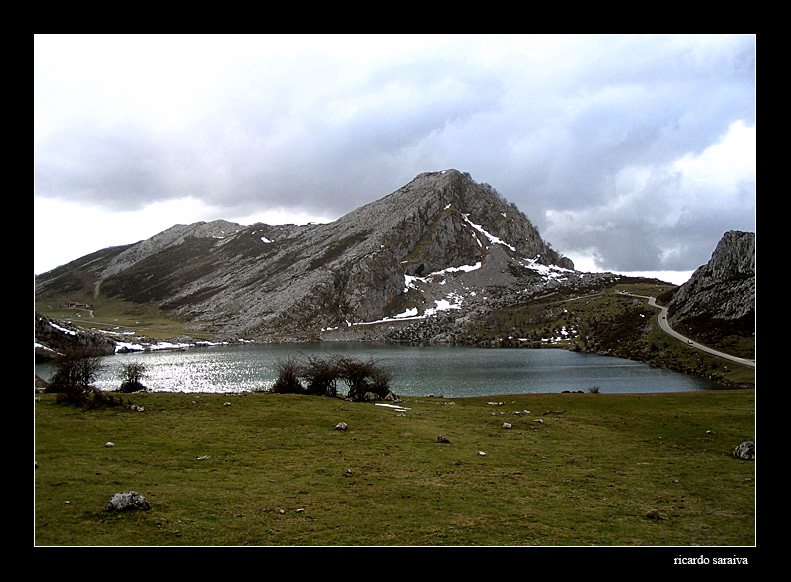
column 112, row 315
column 272, row 470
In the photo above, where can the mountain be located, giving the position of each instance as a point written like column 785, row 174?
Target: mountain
column 441, row 244
column 723, row 288
column 719, row 299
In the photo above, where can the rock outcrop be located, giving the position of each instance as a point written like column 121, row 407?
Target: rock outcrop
column 722, row 289
column 55, row 337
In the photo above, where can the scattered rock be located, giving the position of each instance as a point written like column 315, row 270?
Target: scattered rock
column 341, row 426
column 653, row 514
column 506, row 425
column 202, row 458
column 442, row 439
column 128, row 501
column 745, row 451
column 481, row 454
column 109, row 445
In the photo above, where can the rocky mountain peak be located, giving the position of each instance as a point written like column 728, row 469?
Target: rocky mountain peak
column 453, row 210
column 734, row 256
column 723, row 288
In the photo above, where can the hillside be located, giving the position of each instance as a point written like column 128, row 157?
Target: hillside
column 434, row 245
column 717, row 305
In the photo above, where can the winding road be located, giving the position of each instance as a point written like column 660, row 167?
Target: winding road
column 665, row 326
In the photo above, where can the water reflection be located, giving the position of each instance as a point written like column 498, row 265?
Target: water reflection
column 454, row 372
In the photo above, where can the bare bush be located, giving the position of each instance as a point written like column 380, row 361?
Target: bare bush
column 73, row 380
column 380, row 381
column 75, row 373
column 356, row 376
column 132, row 376
column 288, row 379
column 364, row 376
column 321, row 377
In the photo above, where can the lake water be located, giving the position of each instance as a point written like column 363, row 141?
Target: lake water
column 454, row 372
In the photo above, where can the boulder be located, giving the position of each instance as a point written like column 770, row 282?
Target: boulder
column 745, row 451
column 128, row 501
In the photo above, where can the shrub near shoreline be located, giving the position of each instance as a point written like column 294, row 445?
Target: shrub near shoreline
column 270, row 469
column 365, row 380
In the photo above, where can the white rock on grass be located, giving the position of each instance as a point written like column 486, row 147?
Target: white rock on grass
column 127, row 501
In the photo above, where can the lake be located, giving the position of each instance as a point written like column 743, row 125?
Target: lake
column 454, row 372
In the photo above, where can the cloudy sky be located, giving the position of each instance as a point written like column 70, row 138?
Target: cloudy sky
column 629, row 153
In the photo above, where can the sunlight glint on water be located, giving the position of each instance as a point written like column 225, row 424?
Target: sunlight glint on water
column 454, row 372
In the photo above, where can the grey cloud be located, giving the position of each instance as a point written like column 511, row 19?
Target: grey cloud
column 314, row 133
column 119, row 170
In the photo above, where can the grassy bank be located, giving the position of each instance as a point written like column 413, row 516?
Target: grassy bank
column 269, row 469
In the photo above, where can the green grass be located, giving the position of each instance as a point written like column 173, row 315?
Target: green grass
column 278, row 472
column 144, row 319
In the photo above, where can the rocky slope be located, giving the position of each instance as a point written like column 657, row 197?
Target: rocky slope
column 441, row 244
column 723, row 288
column 57, row 337
column 717, row 305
